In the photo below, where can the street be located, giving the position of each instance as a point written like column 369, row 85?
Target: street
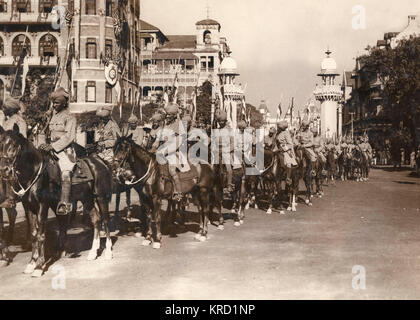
column 309, row 254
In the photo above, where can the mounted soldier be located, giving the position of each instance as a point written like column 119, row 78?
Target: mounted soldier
column 270, row 139
column 221, row 118
column 106, row 134
column 137, row 132
column 157, row 120
column 319, row 147
column 175, row 157
column 62, row 127
column 306, row 140
column 12, row 115
column 286, row 148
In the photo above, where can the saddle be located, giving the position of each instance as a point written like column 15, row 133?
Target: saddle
column 81, row 172
column 188, row 178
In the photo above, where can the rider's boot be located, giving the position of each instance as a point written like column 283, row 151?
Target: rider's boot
column 177, row 186
column 65, row 206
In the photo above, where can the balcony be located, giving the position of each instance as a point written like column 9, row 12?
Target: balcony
column 33, row 61
column 328, row 92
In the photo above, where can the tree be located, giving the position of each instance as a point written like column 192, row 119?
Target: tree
column 398, row 69
column 257, row 120
column 204, row 101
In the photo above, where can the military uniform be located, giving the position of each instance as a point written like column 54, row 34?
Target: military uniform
column 305, row 139
column 270, row 140
column 285, row 145
column 11, row 116
column 62, row 134
column 319, row 148
column 106, row 135
column 62, row 129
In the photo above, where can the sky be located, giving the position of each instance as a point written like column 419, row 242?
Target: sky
column 279, row 44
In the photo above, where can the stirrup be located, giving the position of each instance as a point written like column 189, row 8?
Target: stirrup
column 177, row 196
column 64, row 208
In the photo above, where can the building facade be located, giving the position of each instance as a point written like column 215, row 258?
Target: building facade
column 77, row 51
column 364, row 110
column 186, row 61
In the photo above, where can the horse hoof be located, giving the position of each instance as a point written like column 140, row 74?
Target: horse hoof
column 307, row 201
column 221, row 227
column 197, row 237
column 146, row 243
column 233, row 211
column 256, row 206
column 269, row 211
column 289, row 209
column 156, row 245
column 282, row 212
column 237, row 224
column 241, row 221
column 312, row 195
column 320, row 196
column 92, row 255
column 108, row 255
column 247, row 206
column 138, row 235
column 310, row 204
column 29, row 268
column 3, row 263
column 37, row 273
column 203, row 238
column 293, row 209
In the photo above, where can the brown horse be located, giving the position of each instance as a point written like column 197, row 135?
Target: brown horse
column 155, row 184
column 36, row 176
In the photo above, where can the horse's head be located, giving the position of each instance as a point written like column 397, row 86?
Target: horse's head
column 122, row 150
column 11, row 144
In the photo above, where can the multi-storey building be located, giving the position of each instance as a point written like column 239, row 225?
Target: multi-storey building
column 364, row 110
column 87, row 43
column 183, row 60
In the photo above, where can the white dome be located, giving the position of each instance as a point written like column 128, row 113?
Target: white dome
column 328, row 64
column 228, row 65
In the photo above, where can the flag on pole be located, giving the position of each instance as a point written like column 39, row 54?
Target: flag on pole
column 279, row 112
column 25, row 71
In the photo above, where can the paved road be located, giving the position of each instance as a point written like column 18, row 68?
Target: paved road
column 305, row 255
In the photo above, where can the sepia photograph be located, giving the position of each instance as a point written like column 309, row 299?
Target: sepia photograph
column 218, row 150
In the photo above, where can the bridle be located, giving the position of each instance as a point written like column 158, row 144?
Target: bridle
column 15, row 174
column 120, row 169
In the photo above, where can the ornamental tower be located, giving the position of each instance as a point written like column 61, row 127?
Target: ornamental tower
column 329, row 94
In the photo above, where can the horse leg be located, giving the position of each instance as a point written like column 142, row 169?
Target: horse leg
column 63, row 222
column 204, row 204
column 128, row 202
column 4, row 259
column 219, row 199
column 40, row 237
column 95, row 219
column 157, row 218
column 34, row 225
column 104, row 213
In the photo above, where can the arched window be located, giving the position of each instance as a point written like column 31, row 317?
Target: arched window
column 1, row 47
column 207, row 37
column 20, row 43
column 48, row 46
column 1, row 92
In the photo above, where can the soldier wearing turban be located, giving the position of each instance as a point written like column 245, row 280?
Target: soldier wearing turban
column 306, row 140
column 286, row 147
column 137, row 132
column 106, row 134
column 62, row 127
column 11, row 109
column 225, row 148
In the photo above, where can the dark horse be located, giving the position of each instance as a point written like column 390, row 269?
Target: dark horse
column 37, row 177
column 305, row 171
column 154, row 185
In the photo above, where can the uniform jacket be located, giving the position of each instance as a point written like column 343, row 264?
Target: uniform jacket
column 306, row 139
column 284, row 141
column 107, row 135
column 63, row 129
